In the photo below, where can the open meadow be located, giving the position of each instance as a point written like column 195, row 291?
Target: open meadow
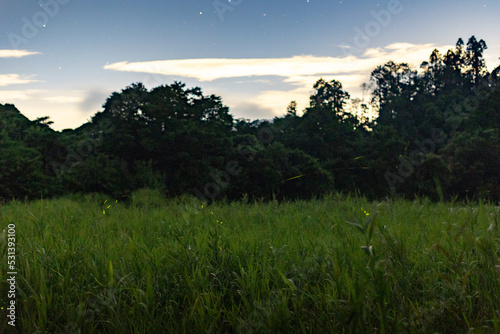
column 144, row 264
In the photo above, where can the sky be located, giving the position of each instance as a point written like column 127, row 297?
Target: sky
column 64, row 58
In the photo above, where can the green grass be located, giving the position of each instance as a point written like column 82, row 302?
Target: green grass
column 149, row 265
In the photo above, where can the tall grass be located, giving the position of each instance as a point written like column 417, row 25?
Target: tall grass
column 91, row 264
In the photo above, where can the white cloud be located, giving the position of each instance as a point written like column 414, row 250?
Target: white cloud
column 278, row 100
column 300, row 71
column 220, row 68
column 14, row 79
column 62, row 106
column 10, row 96
column 16, row 53
column 63, row 99
column 209, row 69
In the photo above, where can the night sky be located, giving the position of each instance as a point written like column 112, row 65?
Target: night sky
column 63, row 58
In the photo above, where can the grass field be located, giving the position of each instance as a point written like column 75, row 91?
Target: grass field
column 143, row 264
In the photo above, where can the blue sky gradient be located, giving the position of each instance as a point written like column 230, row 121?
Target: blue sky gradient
column 79, row 48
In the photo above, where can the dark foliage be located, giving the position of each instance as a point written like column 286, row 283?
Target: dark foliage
column 436, row 134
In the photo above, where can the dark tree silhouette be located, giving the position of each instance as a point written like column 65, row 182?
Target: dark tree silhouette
column 437, row 134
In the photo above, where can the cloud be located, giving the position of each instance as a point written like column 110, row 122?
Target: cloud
column 63, row 99
column 253, row 110
column 93, row 100
column 11, row 96
column 14, row 79
column 209, row 69
column 84, row 100
column 297, row 73
column 16, row 53
column 41, row 96
column 258, row 81
column 62, row 106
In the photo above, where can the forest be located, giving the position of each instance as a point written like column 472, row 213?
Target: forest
column 436, row 134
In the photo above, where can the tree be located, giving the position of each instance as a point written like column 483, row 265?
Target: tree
column 495, row 75
column 27, row 150
column 291, row 110
column 473, row 158
column 433, row 70
column 435, row 128
column 393, row 84
column 329, row 95
column 21, row 174
column 476, row 65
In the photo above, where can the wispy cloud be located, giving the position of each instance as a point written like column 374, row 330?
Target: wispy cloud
column 63, row 99
column 57, row 97
column 209, row 69
column 11, row 96
column 16, row 53
column 298, row 73
column 64, row 107
column 14, row 79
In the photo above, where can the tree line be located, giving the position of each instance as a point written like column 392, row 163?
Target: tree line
column 435, row 134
